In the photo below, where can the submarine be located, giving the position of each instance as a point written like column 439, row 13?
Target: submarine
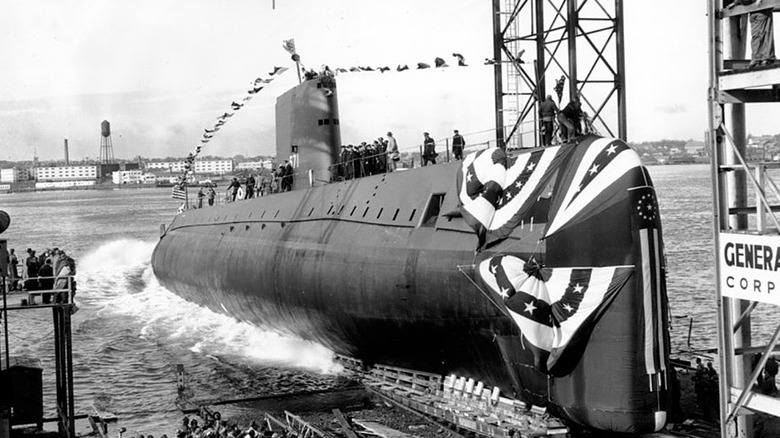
column 539, row 271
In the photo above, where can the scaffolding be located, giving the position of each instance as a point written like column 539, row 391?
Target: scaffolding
column 743, row 236
column 537, row 42
column 62, row 309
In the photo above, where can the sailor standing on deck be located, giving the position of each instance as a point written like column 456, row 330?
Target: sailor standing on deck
column 547, row 111
column 392, row 151
column 349, row 162
column 288, row 174
column 429, row 149
column 250, row 187
column 569, row 118
column 201, row 195
column 234, row 189
column 457, row 145
column 212, row 195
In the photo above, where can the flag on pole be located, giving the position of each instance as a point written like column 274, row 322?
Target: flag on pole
column 179, row 193
column 289, row 45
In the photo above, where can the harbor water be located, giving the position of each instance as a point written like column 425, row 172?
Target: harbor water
column 129, row 332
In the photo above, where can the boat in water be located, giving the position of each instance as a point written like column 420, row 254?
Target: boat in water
column 540, row 271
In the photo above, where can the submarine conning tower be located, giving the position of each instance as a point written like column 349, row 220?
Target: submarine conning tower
column 307, row 130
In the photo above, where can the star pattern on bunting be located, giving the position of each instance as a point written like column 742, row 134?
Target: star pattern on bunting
column 514, row 188
column 605, row 156
column 646, row 207
column 569, row 303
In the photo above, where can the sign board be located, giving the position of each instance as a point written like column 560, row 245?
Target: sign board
column 750, row 267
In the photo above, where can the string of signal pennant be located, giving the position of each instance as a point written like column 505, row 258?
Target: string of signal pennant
column 260, row 83
column 209, row 133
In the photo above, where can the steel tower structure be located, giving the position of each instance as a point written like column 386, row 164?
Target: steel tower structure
column 745, row 241
column 538, row 42
column 106, row 147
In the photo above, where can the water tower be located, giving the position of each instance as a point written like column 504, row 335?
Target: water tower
column 106, row 148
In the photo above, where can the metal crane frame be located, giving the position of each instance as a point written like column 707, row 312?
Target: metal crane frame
column 592, row 31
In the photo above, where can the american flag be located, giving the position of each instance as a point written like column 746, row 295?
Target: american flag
column 553, row 307
column 646, row 226
column 179, row 192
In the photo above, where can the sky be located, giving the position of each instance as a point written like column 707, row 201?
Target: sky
column 162, row 71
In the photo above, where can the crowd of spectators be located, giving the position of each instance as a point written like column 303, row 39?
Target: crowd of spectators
column 49, row 269
column 213, row 426
column 365, row 159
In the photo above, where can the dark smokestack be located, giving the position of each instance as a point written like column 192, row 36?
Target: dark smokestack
column 67, row 161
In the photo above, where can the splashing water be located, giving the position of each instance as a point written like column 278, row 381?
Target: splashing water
column 119, row 281
column 130, row 333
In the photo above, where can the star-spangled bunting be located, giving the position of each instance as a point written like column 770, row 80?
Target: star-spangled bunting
column 551, row 306
column 574, row 194
column 608, row 153
column 496, row 202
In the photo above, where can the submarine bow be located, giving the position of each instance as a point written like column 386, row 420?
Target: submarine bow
column 600, row 241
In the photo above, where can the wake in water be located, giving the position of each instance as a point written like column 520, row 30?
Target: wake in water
column 116, row 281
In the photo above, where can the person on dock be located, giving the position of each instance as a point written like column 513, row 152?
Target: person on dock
column 767, row 384
column 458, row 143
column 13, row 269
column 762, row 37
column 46, row 279
column 32, row 271
column 429, row 149
column 64, row 281
column 547, row 112
column 762, row 41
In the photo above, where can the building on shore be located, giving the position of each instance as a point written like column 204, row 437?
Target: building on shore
column 127, row 177
column 255, row 165
column 66, row 173
column 14, row 175
column 214, row 167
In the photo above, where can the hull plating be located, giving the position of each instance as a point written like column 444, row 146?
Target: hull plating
column 364, row 268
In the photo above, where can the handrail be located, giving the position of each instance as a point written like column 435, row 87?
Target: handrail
column 274, row 182
column 68, row 289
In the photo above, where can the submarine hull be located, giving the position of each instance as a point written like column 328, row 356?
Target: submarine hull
column 382, row 269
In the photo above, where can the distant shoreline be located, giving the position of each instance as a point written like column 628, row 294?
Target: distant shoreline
column 94, row 187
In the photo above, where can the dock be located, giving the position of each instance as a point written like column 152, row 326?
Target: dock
column 21, row 400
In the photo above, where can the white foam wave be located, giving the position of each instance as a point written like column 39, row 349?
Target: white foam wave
column 169, row 319
column 116, row 256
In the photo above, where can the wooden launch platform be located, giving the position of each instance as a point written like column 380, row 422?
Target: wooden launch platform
column 463, row 403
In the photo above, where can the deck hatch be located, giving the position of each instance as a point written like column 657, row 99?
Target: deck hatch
column 431, row 212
